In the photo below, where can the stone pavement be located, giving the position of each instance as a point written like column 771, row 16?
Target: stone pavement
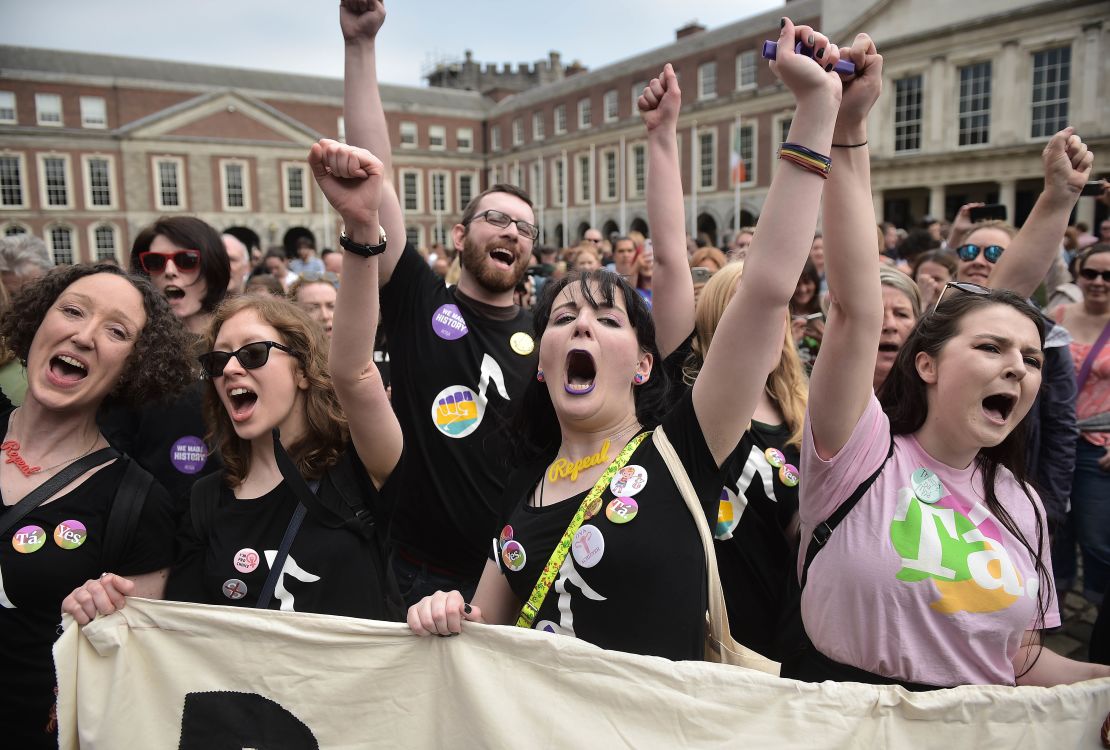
column 1074, row 638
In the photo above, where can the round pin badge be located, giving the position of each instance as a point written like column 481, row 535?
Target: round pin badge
column 774, row 457
column 927, row 486
column 233, row 588
column 70, row 534
column 457, row 411
column 788, row 475
column 189, row 454
column 505, row 537
column 513, row 555
column 522, row 343
column 729, row 511
column 246, row 560
column 628, row 481
column 448, row 323
column 29, row 539
column 547, row 626
column 588, row 546
column 622, row 510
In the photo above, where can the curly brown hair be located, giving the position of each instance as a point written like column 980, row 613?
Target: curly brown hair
column 326, row 426
column 159, row 366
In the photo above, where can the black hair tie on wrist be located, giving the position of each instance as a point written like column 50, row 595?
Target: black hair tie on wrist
column 849, row 145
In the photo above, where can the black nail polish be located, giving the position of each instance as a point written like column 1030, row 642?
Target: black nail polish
column 467, row 609
column 811, row 40
column 820, row 53
column 828, row 67
column 782, row 22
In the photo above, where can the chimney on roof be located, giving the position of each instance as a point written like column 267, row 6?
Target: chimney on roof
column 689, row 30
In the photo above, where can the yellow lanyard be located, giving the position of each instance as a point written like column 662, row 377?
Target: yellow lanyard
column 551, row 570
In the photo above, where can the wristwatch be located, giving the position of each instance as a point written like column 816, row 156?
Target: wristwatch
column 366, row 251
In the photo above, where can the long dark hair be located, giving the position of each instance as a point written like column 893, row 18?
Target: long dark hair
column 191, row 233
column 903, row 398
column 534, row 426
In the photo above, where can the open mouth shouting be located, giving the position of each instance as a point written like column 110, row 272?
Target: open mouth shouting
column 173, row 293
column 67, row 370
column 998, row 407
column 242, row 401
column 581, row 372
column 503, row 256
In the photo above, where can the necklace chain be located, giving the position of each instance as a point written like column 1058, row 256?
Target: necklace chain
column 13, row 447
column 543, row 480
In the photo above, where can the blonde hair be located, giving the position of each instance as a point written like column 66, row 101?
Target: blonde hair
column 326, row 432
column 786, row 385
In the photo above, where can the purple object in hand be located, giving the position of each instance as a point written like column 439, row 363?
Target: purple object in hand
column 770, row 49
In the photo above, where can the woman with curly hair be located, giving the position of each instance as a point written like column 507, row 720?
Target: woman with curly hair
column 295, row 521
column 87, row 335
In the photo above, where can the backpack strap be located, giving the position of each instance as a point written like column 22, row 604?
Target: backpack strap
column 825, row 529
column 127, row 508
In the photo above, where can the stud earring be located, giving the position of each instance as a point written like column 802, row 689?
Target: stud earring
column 639, row 378
column 539, row 375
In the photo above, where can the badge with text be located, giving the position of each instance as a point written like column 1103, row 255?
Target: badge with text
column 927, row 486
column 522, row 343
column 774, row 457
column 622, row 510
column 628, row 481
column 788, row 475
column 189, row 454
column 233, row 588
column 29, row 539
column 588, row 546
column 246, row 560
column 506, row 536
column 513, row 555
column 448, row 323
column 70, row 534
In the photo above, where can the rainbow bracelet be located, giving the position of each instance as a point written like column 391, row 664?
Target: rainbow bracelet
column 806, row 159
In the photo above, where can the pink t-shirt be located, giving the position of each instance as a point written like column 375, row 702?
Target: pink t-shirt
column 935, row 592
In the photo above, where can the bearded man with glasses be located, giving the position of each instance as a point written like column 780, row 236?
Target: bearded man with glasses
column 459, row 356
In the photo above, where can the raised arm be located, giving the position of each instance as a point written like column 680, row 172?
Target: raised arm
column 1067, row 167
column 364, row 116
column 352, row 180
column 841, row 383
column 749, row 337
column 672, row 285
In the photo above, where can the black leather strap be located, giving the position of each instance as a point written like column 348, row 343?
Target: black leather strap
column 50, row 487
column 825, row 529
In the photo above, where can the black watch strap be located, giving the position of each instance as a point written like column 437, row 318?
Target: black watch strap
column 366, row 251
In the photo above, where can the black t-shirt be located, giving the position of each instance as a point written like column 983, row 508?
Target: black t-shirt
column 456, row 376
column 755, row 552
column 40, row 564
column 638, row 586
column 167, row 439
column 329, row 570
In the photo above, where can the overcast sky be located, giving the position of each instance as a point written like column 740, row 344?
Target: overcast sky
column 302, row 36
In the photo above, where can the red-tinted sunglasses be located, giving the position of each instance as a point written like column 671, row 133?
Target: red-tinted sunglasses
column 185, row 260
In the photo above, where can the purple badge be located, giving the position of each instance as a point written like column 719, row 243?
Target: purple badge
column 189, row 454
column 448, row 323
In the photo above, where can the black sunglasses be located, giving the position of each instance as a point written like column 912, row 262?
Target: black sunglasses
column 185, row 260
column 251, row 356
column 499, row 219
column 963, row 286
column 969, row 253
column 1091, row 274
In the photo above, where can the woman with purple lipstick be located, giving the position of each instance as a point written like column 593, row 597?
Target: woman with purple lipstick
column 599, row 543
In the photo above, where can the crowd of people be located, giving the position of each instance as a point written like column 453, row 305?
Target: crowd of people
column 902, row 452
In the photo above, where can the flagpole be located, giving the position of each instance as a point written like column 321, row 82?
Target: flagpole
column 694, row 169
column 738, row 143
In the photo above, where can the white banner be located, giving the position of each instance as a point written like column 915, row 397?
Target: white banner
column 166, row 675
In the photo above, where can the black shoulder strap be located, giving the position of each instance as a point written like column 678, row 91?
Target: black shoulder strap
column 127, row 507
column 202, row 502
column 50, row 487
column 825, row 529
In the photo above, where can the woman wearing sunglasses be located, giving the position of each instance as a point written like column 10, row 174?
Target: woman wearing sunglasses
column 88, row 336
column 1088, row 322
column 296, row 521
column 924, row 552
column 185, row 260
column 599, row 543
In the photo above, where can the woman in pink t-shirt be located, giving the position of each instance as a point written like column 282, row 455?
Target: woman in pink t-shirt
column 939, row 574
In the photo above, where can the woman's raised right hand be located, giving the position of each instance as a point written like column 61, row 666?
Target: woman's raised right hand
column 442, row 614
column 809, row 78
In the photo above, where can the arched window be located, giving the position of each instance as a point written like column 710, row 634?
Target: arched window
column 61, row 244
